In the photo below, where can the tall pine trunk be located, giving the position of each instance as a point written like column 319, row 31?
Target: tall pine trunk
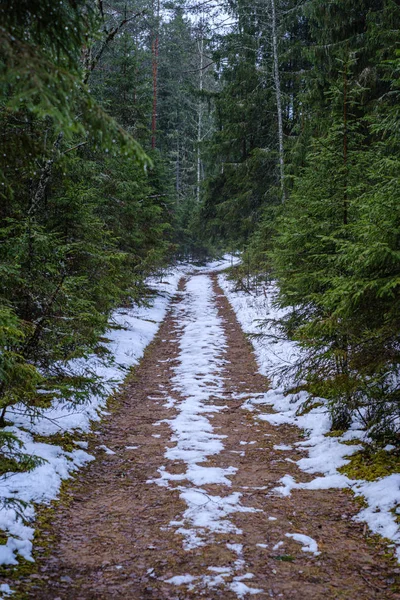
column 277, row 82
column 345, row 144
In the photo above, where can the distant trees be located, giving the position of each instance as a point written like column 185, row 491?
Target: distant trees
column 185, row 104
column 243, row 172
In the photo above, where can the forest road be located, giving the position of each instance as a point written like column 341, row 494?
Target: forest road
column 185, row 506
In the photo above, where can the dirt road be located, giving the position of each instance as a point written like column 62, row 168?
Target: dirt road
column 182, row 504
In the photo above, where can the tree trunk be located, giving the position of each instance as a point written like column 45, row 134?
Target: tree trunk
column 200, row 115
column 278, row 98
column 345, row 145
column 178, row 168
column 155, row 49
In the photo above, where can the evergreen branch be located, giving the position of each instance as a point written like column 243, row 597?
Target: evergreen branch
column 101, row 10
column 200, row 69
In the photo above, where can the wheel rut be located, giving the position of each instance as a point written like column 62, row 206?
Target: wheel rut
column 185, row 507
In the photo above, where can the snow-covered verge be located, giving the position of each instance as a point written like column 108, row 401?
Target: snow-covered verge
column 131, row 330
column 325, row 454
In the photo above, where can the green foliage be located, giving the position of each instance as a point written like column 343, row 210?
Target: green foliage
column 236, row 197
column 18, row 379
column 13, row 458
column 242, row 153
column 41, row 72
column 284, row 557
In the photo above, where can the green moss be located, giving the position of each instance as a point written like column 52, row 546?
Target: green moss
column 23, row 569
column 284, row 557
column 359, row 500
column 66, row 440
column 371, row 465
column 335, row 433
column 351, row 442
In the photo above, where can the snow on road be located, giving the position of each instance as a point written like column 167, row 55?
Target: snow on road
column 308, row 543
column 197, row 392
column 198, row 382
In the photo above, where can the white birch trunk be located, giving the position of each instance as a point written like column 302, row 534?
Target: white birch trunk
column 200, row 116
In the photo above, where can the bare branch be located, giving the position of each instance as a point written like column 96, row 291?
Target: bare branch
column 108, row 39
column 75, row 147
column 45, row 177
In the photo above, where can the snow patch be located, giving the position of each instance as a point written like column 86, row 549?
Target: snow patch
column 278, row 545
column 241, row 589
column 5, row 590
column 180, row 579
column 106, row 450
column 308, row 543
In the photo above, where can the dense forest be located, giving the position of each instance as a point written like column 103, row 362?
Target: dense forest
column 138, row 133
